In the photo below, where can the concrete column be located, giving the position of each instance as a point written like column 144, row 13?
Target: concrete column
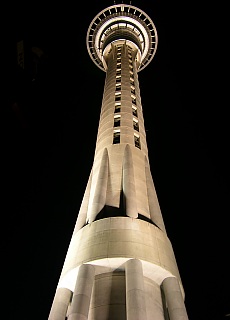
column 82, row 293
column 174, row 299
column 98, row 197
column 60, row 304
column 135, row 294
column 129, row 184
column 154, row 207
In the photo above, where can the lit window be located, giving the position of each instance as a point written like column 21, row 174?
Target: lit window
column 117, row 107
column 116, row 137
column 117, row 121
column 134, row 111
column 137, row 141
column 132, row 90
column 118, row 97
column 135, row 124
column 118, row 87
column 133, row 99
column 122, row 24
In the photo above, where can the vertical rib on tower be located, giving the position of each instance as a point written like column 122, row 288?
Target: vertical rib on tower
column 120, row 263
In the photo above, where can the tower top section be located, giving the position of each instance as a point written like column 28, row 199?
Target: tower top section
column 122, row 23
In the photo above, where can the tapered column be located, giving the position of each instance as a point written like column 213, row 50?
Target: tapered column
column 135, row 295
column 60, row 304
column 82, row 293
column 98, row 196
column 129, row 184
column 174, row 299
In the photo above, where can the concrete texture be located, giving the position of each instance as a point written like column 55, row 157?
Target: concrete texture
column 120, row 263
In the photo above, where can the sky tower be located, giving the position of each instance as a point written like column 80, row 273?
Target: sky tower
column 120, row 263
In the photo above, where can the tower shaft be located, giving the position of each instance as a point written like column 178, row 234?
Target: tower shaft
column 120, row 182
column 120, row 263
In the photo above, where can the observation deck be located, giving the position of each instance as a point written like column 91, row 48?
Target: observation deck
column 122, row 23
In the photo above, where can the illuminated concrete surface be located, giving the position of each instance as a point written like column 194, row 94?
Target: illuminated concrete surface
column 120, row 263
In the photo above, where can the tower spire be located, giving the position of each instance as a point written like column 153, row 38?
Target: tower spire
column 120, row 263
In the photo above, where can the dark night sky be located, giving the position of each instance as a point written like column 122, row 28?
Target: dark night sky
column 50, row 127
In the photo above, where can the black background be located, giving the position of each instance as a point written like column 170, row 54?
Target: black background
column 50, row 120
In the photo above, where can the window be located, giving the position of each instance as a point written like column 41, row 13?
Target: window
column 133, row 99
column 117, row 96
column 117, row 121
column 135, row 124
column 134, row 111
column 117, row 108
column 137, row 141
column 118, row 52
column 118, row 85
column 116, row 137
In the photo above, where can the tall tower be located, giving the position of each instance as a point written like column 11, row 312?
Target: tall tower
column 120, row 263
